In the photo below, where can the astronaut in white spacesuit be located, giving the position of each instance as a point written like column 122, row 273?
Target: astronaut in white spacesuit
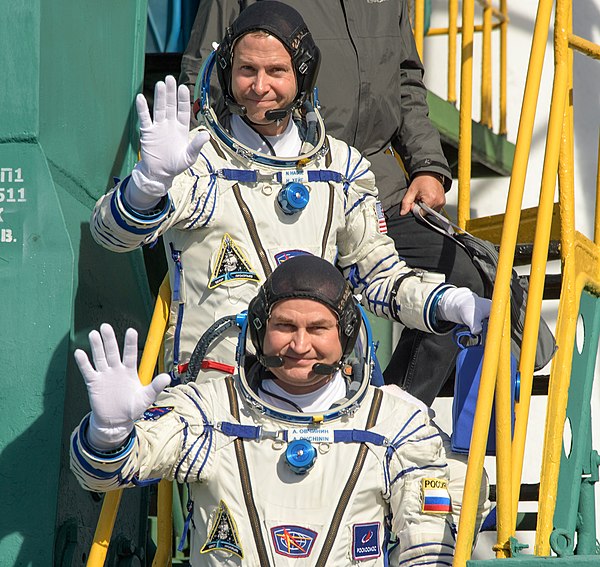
column 256, row 185
column 294, row 460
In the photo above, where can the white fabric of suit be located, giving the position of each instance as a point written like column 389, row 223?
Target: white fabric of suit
column 180, row 441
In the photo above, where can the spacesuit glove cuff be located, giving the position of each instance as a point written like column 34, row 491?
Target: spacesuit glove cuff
column 143, row 193
column 106, row 439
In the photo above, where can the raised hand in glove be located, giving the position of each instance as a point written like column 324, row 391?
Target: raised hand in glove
column 166, row 150
column 117, row 397
column 460, row 305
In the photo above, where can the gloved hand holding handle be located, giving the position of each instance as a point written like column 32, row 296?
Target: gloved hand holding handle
column 460, row 305
column 166, row 150
column 117, row 397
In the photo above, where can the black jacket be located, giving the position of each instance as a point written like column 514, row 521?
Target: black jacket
column 370, row 83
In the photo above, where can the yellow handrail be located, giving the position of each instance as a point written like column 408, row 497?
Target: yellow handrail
column 501, row 291
column 493, row 18
column 110, row 506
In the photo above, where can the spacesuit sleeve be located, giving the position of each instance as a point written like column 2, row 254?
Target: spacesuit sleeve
column 419, row 498
column 370, row 262
column 172, row 440
column 418, row 140
column 190, row 203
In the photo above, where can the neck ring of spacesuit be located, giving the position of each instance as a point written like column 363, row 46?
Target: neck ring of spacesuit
column 316, row 137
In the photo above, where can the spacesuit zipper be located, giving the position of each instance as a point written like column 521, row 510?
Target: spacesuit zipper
column 328, row 223
column 350, row 484
column 251, row 225
column 245, row 479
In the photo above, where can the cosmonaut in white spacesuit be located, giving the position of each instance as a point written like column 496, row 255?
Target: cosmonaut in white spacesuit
column 256, row 185
column 294, row 460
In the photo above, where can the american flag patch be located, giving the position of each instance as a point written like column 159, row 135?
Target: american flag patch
column 435, row 496
column 380, row 218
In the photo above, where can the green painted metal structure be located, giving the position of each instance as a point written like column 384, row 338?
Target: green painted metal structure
column 573, row 538
column 70, row 71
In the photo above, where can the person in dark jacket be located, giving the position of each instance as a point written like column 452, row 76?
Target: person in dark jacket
column 372, row 96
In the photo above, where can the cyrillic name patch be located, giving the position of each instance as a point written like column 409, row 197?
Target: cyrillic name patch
column 293, row 541
column 223, row 534
column 231, row 265
column 365, row 541
column 435, row 497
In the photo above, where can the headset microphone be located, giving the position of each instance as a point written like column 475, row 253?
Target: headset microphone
column 271, row 361
column 325, row 369
column 279, row 113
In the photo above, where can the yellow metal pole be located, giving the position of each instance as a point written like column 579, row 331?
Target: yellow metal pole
column 584, row 46
column 452, row 33
column 465, row 136
column 501, row 289
column 486, row 68
column 419, row 26
column 481, row 421
column 104, row 528
column 503, row 445
column 162, row 557
column 597, row 215
column 503, row 59
column 559, row 381
column 110, row 506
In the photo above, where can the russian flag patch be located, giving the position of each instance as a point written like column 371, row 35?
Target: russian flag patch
column 435, row 497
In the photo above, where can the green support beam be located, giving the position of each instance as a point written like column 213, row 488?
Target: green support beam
column 574, row 512
column 492, row 154
column 67, row 126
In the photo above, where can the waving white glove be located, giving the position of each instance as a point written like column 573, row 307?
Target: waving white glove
column 461, row 305
column 117, row 397
column 165, row 147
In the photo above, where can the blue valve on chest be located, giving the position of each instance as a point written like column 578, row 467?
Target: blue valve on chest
column 300, row 455
column 293, row 198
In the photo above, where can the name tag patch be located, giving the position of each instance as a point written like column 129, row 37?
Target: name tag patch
column 435, row 497
column 293, row 541
column 313, row 435
column 365, row 541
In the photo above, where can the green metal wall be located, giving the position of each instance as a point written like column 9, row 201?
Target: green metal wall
column 70, row 72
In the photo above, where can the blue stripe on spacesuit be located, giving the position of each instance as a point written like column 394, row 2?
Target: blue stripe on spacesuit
column 411, row 469
column 103, row 233
column 211, row 193
column 406, row 424
column 356, row 204
column 339, row 435
column 177, row 336
column 121, row 222
column 211, row 196
column 207, row 437
column 421, row 545
column 436, row 559
column 94, row 472
column 398, row 442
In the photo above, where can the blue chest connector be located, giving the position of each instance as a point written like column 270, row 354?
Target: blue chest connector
column 300, row 455
column 293, row 198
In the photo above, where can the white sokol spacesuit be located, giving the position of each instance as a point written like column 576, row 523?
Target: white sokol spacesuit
column 271, row 485
column 223, row 237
